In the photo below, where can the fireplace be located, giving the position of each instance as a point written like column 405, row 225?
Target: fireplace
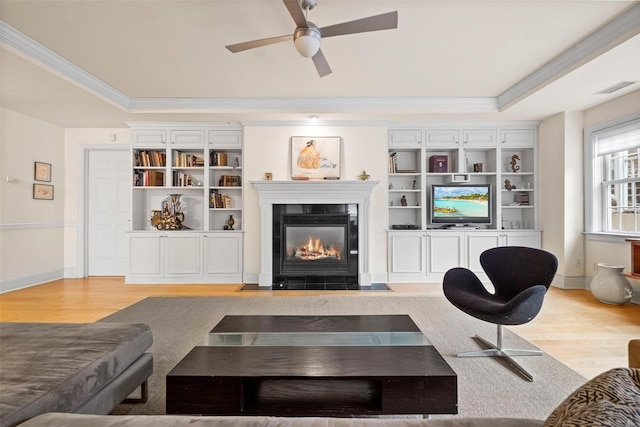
column 353, row 193
column 315, row 246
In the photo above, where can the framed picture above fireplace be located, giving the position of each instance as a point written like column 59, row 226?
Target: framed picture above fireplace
column 315, row 157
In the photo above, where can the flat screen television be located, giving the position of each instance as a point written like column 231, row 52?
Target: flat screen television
column 460, row 204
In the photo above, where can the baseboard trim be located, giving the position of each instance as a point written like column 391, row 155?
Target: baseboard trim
column 569, row 282
column 9, row 285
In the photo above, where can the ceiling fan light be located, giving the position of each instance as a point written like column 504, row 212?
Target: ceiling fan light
column 307, row 41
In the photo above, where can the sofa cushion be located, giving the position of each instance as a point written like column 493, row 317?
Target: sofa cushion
column 74, row 420
column 58, row 366
column 610, row 399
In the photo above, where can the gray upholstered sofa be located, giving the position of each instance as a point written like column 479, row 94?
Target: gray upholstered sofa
column 610, row 399
column 70, row 367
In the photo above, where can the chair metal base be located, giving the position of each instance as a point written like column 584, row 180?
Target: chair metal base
column 497, row 350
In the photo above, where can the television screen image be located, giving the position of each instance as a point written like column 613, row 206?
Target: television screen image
column 461, row 204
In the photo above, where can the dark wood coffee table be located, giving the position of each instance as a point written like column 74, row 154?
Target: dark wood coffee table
column 313, row 366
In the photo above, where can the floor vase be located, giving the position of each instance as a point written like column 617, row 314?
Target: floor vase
column 610, row 286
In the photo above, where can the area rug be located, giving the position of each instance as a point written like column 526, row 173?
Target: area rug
column 486, row 387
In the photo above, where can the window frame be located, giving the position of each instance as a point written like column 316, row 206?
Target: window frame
column 594, row 207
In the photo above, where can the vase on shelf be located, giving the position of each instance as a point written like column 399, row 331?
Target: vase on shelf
column 610, row 286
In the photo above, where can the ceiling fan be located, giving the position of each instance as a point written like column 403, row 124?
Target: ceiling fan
column 307, row 35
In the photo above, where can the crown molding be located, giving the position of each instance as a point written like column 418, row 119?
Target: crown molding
column 35, row 52
column 616, row 31
column 318, row 105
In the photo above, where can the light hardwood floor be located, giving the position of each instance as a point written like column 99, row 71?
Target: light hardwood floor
column 574, row 327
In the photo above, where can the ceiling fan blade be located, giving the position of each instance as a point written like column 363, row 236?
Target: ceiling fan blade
column 321, row 63
column 296, row 12
column 386, row 21
column 239, row 47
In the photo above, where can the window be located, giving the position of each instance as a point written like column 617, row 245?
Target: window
column 613, row 186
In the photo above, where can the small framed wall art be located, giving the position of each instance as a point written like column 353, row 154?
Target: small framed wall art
column 42, row 171
column 43, row 191
column 315, row 157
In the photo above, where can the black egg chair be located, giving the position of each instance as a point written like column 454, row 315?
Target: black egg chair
column 520, row 277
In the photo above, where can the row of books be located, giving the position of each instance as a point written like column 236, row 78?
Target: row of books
column 187, row 160
column 230, row 181
column 219, row 201
column 181, row 179
column 143, row 158
column 149, row 178
column 393, row 162
column 217, row 159
column 522, row 199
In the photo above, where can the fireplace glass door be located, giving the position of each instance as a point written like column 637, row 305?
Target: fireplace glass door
column 315, row 245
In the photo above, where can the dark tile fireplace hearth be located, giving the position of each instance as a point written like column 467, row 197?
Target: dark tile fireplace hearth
column 315, row 246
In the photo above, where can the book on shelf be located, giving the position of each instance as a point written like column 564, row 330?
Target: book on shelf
column 218, row 200
column 187, row 160
column 145, row 159
column 218, row 158
column 522, row 199
column 393, row 162
column 148, row 178
column 181, row 179
column 230, row 181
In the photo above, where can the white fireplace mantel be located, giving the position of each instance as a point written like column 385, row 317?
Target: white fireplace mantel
column 308, row 192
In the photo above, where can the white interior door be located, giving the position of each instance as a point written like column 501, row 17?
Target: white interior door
column 109, row 205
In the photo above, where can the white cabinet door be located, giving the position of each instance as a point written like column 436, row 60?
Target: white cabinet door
column 223, row 256
column 405, row 138
column 225, row 139
column 478, row 243
column 182, row 255
column 444, row 251
column 156, row 256
column 517, row 138
column 149, row 138
column 531, row 239
column 187, row 138
column 407, row 257
column 145, row 255
column 479, row 137
column 442, row 138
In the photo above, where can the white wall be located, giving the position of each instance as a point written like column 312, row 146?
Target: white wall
column 31, row 231
column 77, row 142
column 552, row 192
column 561, row 198
column 267, row 149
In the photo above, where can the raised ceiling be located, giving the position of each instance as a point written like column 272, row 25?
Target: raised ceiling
column 92, row 63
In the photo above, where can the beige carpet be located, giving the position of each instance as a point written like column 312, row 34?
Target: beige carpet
column 485, row 386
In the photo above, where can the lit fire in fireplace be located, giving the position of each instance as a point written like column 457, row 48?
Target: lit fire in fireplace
column 315, row 249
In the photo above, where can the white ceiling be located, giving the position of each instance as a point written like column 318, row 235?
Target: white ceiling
column 93, row 63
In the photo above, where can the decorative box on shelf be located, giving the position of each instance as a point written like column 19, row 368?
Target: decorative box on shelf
column 438, row 163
